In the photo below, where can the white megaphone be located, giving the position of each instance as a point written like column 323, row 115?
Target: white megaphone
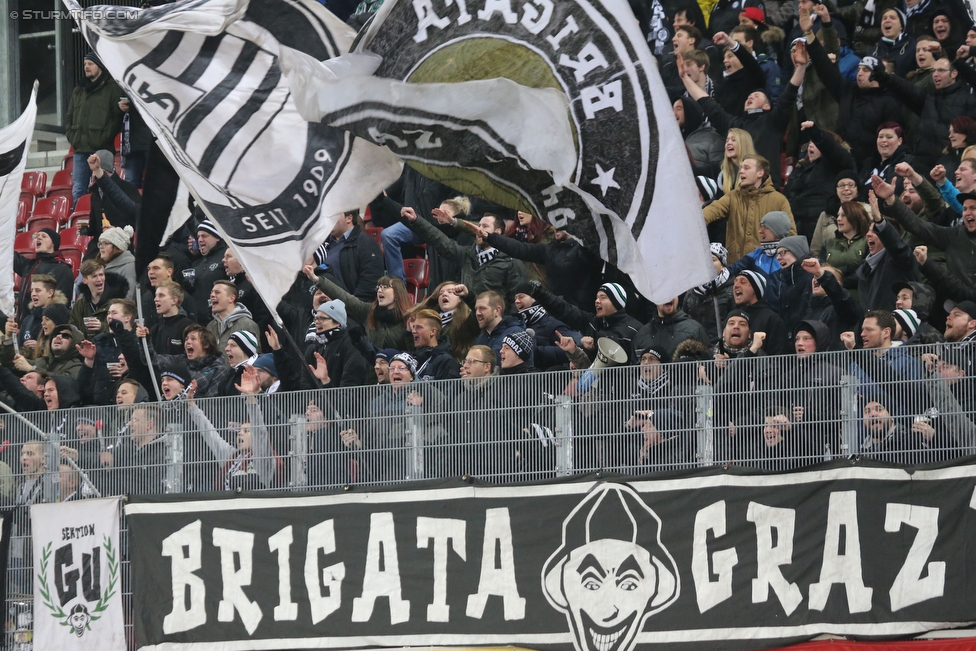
column 608, row 353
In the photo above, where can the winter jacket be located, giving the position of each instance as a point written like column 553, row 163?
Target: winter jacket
column 710, row 307
column 744, row 207
column 883, row 168
column 167, row 337
column 124, row 265
column 67, row 363
column 205, row 271
column 896, row 265
column 788, row 291
column 859, row 111
column 667, row 332
column 347, row 367
column 936, row 109
column 502, row 274
column 762, row 318
column 94, row 116
column 844, row 254
column 388, row 333
column 116, row 200
column 704, row 143
column 838, row 310
column 734, row 90
column 507, row 326
column 23, row 400
column 572, row 270
column 893, row 378
column 547, row 353
column 901, row 51
column 436, row 363
column 360, row 265
column 52, row 264
column 210, row 371
column 812, row 184
column 958, row 243
column 619, row 326
column 240, row 319
column 765, row 127
column 115, row 287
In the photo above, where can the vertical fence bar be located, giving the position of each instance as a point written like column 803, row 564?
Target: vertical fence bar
column 564, row 435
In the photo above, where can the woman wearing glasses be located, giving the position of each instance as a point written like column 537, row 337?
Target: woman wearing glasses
column 384, row 318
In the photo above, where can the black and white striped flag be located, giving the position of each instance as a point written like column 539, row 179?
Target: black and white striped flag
column 624, row 188
column 204, row 74
column 15, row 142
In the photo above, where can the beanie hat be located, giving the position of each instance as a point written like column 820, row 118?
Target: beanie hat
column 739, row 313
column 265, row 362
column 407, row 359
column 179, row 372
column 520, row 342
column 120, row 238
column 91, row 56
column 797, row 245
column 246, row 341
column 657, row 351
column 778, row 222
column 53, row 234
column 106, row 159
column 386, row 354
column 523, row 288
column 708, row 187
column 207, row 226
column 719, row 252
column 901, row 16
column 616, row 293
column 335, row 310
column 58, row 313
column 757, row 280
column 908, row 319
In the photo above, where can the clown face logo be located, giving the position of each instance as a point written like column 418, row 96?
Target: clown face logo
column 611, row 572
column 79, row 619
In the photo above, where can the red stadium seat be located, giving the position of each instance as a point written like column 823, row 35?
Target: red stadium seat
column 35, row 224
column 78, row 219
column 24, row 244
column 28, row 198
column 61, row 181
column 16, row 282
column 118, row 142
column 73, row 256
column 418, row 275
column 23, row 212
column 376, row 233
column 34, row 182
column 51, row 194
column 55, row 207
column 84, row 204
column 68, row 163
column 71, row 238
column 368, row 216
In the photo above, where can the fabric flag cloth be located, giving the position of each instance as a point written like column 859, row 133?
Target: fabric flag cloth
column 14, row 146
column 204, row 74
column 78, row 575
column 630, row 194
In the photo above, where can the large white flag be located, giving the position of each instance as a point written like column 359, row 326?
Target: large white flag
column 77, row 576
column 15, row 142
column 630, row 192
column 204, row 74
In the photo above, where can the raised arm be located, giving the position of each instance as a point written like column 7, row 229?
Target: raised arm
column 263, row 455
column 222, row 450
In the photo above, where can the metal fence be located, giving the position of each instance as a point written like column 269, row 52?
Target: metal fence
column 907, row 406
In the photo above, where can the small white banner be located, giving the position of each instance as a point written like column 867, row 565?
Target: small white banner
column 77, row 576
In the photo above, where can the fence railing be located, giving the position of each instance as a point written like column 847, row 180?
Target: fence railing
column 907, row 406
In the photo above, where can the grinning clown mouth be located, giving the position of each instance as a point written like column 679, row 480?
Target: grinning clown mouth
column 605, row 638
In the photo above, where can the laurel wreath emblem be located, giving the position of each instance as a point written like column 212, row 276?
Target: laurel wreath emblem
column 107, row 593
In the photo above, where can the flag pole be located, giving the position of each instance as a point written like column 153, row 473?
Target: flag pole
column 145, row 343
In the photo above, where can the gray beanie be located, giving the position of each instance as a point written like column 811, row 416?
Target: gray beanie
column 335, row 310
column 797, row 245
column 120, row 238
column 778, row 222
column 106, row 159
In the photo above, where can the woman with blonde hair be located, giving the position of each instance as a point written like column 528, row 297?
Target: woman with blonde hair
column 738, row 146
column 454, row 302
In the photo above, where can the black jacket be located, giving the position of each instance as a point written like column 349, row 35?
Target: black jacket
column 811, row 184
column 167, row 338
column 45, row 263
column 360, row 265
column 763, row 319
column 619, row 326
column 667, row 332
column 572, row 271
column 838, row 310
column 207, row 270
column 859, row 111
column 347, row 367
column 117, row 200
column 897, row 265
column 436, row 363
column 734, row 90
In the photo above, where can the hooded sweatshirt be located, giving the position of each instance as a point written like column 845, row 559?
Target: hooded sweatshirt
column 239, row 319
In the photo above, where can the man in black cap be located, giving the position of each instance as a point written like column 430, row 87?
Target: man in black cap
column 92, row 121
column 961, row 322
column 748, row 292
column 47, row 260
column 516, row 352
column 207, row 269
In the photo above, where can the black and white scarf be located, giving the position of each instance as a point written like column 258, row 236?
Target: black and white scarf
column 532, row 315
column 446, row 318
column 646, row 388
column 487, row 255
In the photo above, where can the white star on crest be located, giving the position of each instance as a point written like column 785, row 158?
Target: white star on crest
column 605, row 179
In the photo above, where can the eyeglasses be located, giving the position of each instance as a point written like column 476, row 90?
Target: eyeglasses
column 63, row 335
column 381, row 288
column 468, row 361
column 846, row 186
column 781, row 252
column 321, row 317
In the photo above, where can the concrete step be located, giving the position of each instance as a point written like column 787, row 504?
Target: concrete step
column 46, row 151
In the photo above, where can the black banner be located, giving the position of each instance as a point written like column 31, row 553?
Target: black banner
column 724, row 559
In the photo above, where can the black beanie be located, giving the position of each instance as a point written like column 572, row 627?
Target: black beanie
column 53, row 234
column 58, row 313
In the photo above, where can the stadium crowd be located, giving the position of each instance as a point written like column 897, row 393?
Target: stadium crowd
column 834, row 150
